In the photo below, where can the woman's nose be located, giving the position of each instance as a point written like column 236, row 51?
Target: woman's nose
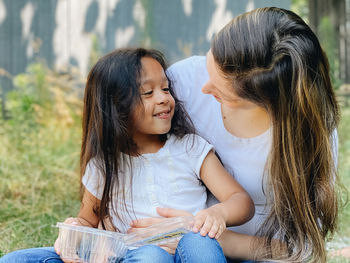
column 206, row 88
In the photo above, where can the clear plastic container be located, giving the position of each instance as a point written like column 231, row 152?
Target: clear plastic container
column 168, row 231
column 91, row 245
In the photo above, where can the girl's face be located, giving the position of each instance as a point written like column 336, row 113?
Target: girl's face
column 153, row 116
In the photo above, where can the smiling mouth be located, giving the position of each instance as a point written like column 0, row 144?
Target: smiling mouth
column 164, row 114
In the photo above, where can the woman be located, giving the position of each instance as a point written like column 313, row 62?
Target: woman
column 274, row 128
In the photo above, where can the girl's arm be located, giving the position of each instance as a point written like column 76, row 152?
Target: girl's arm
column 89, row 204
column 86, row 215
column 235, row 207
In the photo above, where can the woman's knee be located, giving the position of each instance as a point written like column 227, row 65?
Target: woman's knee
column 148, row 254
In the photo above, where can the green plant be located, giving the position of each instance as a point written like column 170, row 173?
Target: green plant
column 301, row 8
column 96, row 50
column 341, row 239
column 329, row 44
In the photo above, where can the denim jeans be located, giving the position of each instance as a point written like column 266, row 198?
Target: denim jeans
column 191, row 248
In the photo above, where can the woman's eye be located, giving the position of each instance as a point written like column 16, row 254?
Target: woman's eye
column 166, row 89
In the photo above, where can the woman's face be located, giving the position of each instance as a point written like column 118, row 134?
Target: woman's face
column 220, row 87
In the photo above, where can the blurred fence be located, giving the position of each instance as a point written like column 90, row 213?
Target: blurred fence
column 66, row 33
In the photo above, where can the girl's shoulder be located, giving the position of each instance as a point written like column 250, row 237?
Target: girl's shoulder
column 190, row 143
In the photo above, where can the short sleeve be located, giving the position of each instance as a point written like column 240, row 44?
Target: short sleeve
column 93, row 180
column 197, row 149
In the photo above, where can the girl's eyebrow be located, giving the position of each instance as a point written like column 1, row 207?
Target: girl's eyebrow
column 146, row 81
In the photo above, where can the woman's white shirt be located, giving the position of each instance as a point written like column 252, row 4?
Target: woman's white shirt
column 243, row 158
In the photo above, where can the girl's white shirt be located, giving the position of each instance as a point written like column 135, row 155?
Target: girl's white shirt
column 168, row 178
column 243, row 158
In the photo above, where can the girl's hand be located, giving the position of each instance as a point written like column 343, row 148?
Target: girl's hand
column 72, row 221
column 209, row 222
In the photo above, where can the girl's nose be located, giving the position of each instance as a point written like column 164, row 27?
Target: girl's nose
column 162, row 98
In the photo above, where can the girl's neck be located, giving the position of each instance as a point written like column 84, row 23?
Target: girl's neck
column 147, row 143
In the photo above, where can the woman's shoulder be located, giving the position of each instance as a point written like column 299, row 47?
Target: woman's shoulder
column 186, row 68
column 187, row 77
column 187, row 63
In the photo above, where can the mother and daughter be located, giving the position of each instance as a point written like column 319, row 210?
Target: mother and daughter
column 272, row 119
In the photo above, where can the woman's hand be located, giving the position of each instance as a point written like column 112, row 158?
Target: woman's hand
column 163, row 212
column 209, row 222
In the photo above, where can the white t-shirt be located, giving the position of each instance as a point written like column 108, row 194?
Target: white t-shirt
column 244, row 158
column 168, row 178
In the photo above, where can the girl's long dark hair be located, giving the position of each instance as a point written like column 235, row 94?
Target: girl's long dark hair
column 273, row 59
column 111, row 95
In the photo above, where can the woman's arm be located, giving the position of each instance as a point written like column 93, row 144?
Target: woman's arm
column 246, row 247
column 235, row 207
column 237, row 246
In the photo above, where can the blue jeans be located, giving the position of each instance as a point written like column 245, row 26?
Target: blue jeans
column 191, row 248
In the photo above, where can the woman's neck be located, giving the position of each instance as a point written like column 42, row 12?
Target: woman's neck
column 147, row 143
column 245, row 122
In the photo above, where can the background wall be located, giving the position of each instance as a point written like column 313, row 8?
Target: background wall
column 66, row 33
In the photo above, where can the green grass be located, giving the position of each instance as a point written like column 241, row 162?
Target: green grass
column 342, row 236
column 344, row 167
column 39, row 158
column 39, row 185
column 39, row 180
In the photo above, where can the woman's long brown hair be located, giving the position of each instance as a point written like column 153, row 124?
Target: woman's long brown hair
column 111, row 95
column 273, row 59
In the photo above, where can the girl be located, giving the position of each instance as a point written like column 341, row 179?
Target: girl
column 139, row 152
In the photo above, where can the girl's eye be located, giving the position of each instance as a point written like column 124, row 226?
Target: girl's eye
column 166, row 89
column 148, row 93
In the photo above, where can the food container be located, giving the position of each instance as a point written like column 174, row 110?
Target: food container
column 91, row 245
column 168, row 231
